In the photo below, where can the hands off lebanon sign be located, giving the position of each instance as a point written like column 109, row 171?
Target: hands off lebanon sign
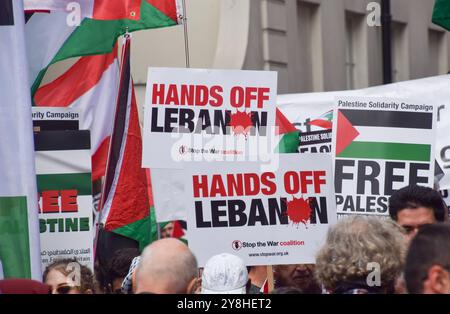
column 266, row 218
column 379, row 146
column 195, row 114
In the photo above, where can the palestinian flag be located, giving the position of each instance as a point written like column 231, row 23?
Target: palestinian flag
column 325, row 121
column 97, row 33
column 441, row 13
column 289, row 135
column 125, row 196
column 19, row 229
column 388, row 135
column 90, row 86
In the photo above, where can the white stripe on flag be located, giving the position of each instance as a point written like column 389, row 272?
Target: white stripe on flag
column 57, row 162
column 97, row 106
column 392, row 135
column 45, row 34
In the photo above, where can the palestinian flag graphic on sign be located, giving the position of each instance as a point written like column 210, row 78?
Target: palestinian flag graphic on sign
column 383, row 135
column 380, row 147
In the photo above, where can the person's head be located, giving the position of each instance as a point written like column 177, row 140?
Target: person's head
column 414, row 206
column 167, row 266
column 119, row 266
column 427, row 268
column 224, row 274
column 300, row 276
column 358, row 248
column 167, row 231
column 68, row 276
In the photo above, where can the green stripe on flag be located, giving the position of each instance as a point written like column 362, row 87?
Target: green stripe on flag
column 14, row 237
column 139, row 230
column 67, row 181
column 394, row 151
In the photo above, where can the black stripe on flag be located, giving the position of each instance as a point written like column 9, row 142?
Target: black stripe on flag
column 389, row 119
column 62, row 140
column 56, row 125
column 6, row 12
column 120, row 120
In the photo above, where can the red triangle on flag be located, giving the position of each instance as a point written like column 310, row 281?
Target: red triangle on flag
column 283, row 124
column 346, row 133
column 178, row 231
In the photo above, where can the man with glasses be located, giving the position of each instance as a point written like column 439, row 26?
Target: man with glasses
column 427, row 268
column 414, row 206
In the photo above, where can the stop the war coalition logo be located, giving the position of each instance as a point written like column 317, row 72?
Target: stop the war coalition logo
column 380, row 146
column 191, row 113
column 235, row 207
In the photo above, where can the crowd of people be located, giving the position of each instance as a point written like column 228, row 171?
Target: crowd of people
column 406, row 253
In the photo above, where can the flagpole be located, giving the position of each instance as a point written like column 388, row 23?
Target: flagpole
column 186, row 36
column 158, row 230
column 102, row 200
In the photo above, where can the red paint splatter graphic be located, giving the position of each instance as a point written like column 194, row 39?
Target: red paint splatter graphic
column 298, row 210
column 241, row 123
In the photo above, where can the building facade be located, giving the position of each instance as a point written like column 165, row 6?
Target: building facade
column 314, row 45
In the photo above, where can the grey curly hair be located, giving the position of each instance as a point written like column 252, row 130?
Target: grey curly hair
column 356, row 241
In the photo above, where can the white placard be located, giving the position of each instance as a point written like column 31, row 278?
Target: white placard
column 266, row 218
column 198, row 115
